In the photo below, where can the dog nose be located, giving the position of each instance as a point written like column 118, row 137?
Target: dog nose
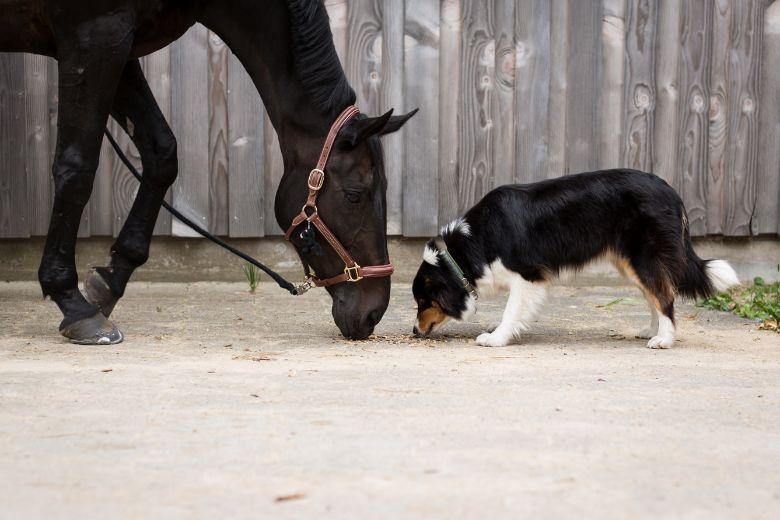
column 416, row 331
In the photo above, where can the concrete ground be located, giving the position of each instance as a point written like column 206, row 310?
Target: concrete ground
column 225, row 404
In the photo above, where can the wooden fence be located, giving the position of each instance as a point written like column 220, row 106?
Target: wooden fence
column 509, row 91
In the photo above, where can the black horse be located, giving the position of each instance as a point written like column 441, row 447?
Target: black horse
column 287, row 48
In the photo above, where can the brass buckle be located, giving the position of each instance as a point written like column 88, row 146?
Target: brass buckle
column 316, row 187
column 353, row 273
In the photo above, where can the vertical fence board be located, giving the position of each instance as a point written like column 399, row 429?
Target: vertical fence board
column 364, row 54
column 476, row 97
column 556, row 107
column 421, row 61
column 392, row 96
column 640, row 85
column 613, row 49
column 337, row 12
column 449, row 99
column 157, row 68
column 583, row 85
column 246, row 154
column 273, row 171
column 696, row 40
column 532, row 88
column 218, row 135
column 190, row 118
column 767, row 217
column 124, row 186
column 39, row 179
column 742, row 143
column 503, row 110
column 665, row 142
column 14, row 218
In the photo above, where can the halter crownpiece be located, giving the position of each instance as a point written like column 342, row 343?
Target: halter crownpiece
column 353, row 272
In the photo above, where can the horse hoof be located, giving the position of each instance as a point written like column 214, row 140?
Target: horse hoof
column 99, row 294
column 95, row 330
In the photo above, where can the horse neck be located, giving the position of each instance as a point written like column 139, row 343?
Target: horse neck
column 258, row 33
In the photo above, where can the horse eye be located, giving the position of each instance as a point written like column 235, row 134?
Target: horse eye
column 352, row 196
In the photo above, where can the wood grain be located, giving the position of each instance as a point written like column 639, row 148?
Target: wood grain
column 246, row 154
column 666, row 128
column 124, row 186
column 14, row 203
column 449, row 104
column 503, row 107
column 273, row 172
column 613, row 49
column 767, row 216
column 337, row 12
column 364, row 54
column 556, row 111
column 583, row 72
column 218, row 135
column 421, row 159
column 392, row 96
column 477, row 83
column 696, row 41
column 40, row 186
column 640, row 94
column 532, row 89
column 742, row 143
column 190, row 120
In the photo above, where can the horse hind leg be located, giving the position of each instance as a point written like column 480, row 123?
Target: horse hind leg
column 136, row 110
column 88, row 77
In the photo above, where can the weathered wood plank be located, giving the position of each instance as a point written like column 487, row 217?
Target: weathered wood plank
column 449, row 103
column 337, row 12
column 767, row 216
column 392, row 96
column 102, row 207
column 477, row 83
column 613, row 49
column 157, row 69
column 14, row 199
column 123, row 186
column 421, row 62
column 718, row 114
column 503, row 112
column 532, row 88
column 272, row 174
column 39, row 180
column 246, row 147
column 556, row 111
column 584, row 82
column 364, row 54
column 640, row 85
column 742, row 147
column 190, row 118
column 218, row 135
column 666, row 131
column 696, row 42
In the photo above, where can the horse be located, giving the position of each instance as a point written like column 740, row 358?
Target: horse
column 287, row 48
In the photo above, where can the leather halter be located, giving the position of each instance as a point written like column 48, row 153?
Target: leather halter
column 353, row 272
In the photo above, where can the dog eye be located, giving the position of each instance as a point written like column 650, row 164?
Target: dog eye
column 352, row 196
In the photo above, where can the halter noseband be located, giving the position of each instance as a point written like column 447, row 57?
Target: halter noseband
column 353, row 272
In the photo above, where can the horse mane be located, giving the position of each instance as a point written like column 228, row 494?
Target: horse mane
column 314, row 55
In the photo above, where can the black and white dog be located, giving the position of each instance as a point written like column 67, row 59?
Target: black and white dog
column 520, row 237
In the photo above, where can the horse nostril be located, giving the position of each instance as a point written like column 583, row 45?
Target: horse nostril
column 373, row 318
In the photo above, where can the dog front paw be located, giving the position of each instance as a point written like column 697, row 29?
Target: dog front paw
column 660, row 342
column 491, row 339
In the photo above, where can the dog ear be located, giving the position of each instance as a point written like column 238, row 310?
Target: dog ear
column 358, row 130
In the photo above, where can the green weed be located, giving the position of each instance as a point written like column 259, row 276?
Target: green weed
column 252, row 274
column 759, row 301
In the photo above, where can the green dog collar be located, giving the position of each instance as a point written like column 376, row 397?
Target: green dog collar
column 447, row 257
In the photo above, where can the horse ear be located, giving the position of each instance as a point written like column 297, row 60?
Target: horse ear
column 358, row 130
column 396, row 122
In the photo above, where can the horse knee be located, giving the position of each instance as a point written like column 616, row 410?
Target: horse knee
column 162, row 161
column 73, row 177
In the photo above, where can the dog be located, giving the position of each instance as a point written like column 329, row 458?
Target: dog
column 520, row 237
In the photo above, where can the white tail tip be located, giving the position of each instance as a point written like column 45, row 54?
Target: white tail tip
column 721, row 275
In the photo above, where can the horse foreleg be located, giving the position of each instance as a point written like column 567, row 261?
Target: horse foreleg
column 89, row 69
column 136, row 110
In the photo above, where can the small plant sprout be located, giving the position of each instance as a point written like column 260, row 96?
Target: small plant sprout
column 252, row 274
column 760, row 301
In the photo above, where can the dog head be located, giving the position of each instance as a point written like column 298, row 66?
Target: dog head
column 439, row 292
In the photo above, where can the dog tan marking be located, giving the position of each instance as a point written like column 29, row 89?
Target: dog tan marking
column 430, row 318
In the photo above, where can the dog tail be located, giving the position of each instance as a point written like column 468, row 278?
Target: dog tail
column 703, row 278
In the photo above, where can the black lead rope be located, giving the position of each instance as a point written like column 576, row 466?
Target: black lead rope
column 284, row 284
